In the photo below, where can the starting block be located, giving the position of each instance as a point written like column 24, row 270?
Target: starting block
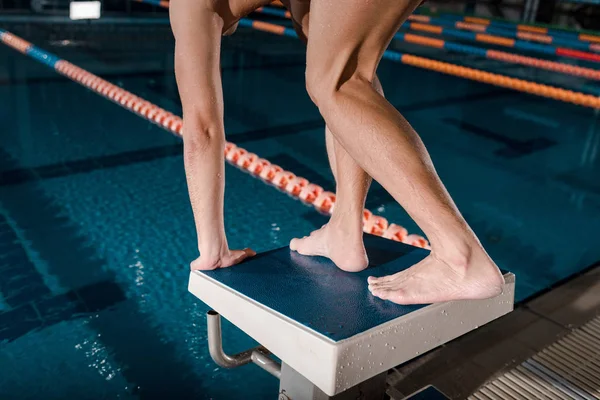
column 335, row 340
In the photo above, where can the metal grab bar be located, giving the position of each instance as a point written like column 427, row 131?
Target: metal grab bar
column 258, row 355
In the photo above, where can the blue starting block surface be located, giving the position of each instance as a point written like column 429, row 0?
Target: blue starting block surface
column 323, row 322
column 317, row 294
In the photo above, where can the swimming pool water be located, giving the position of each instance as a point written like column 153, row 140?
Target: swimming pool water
column 96, row 231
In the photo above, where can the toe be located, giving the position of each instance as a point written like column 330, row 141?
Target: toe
column 294, row 244
column 387, row 278
column 382, row 280
column 373, row 288
column 381, row 293
column 395, row 295
column 302, row 249
column 237, row 256
column 379, row 284
column 300, row 246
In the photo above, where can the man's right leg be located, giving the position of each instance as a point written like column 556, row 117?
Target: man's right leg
column 352, row 185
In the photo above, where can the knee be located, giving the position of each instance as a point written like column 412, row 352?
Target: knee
column 319, row 87
column 202, row 133
column 326, row 87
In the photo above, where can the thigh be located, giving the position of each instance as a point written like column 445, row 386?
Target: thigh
column 231, row 11
column 349, row 37
column 299, row 12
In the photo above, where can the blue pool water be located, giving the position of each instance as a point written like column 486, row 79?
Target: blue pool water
column 96, row 231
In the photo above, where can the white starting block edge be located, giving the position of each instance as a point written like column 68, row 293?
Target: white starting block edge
column 336, row 366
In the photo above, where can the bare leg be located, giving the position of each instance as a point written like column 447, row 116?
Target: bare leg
column 344, row 49
column 341, row 240
column 331, row 143
column 198, row 27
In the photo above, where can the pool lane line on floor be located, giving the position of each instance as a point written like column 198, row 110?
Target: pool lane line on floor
column 588, row 73
column 477, row 75
column 286, row 181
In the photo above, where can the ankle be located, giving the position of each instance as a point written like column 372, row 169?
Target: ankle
column 350, row 222
column 214, row 250
column 457, row 254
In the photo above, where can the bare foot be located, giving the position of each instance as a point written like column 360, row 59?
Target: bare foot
column 345, row 249
column 231, row 257
column 437, row 279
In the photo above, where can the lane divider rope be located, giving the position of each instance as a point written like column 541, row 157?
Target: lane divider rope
column 546, row 29
column 465, row 30
column 525, row 32
column 286, row 181
column 588, row 73
column 483, row 37
column 521, row 85
column 559, row 33
column 473, row 74
column 559, row 42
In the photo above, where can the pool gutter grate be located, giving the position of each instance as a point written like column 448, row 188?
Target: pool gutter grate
column 568, row 369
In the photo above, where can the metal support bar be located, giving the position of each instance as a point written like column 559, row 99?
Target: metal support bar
column 266, row 363
column 258, row 355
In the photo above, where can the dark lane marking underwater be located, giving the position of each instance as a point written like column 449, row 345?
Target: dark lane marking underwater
column 22, row 175
column 132, row 340
column 512, row 148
